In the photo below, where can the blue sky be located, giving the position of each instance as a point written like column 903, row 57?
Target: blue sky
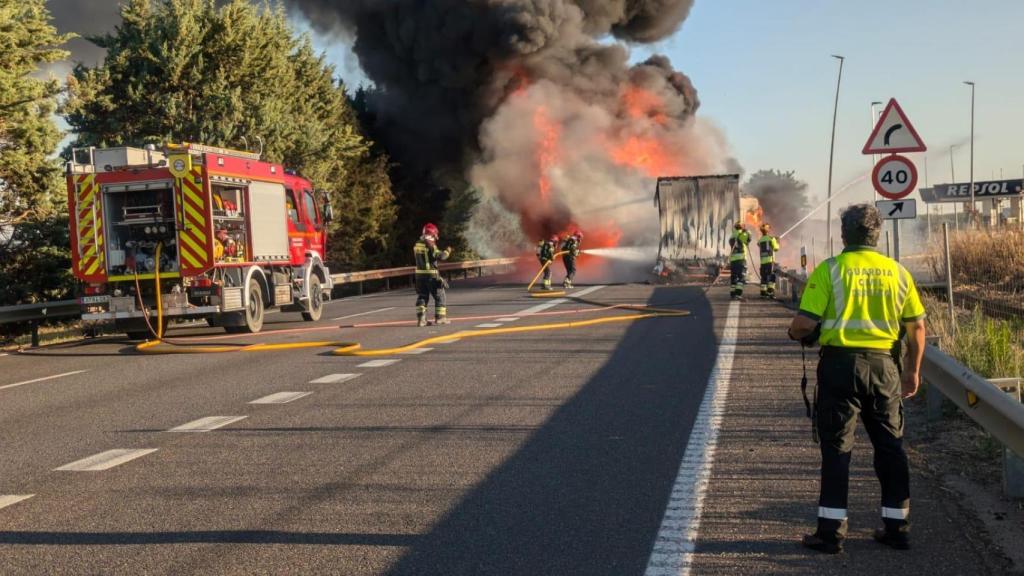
column 765, row 76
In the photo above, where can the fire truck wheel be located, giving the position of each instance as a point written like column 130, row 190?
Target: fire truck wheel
column 254, row 311
column 316, row 301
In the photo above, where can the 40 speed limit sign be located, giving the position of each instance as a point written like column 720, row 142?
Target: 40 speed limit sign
column 894, row 177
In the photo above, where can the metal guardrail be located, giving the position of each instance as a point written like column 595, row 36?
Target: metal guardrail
column 55, row 310
column 997, row 409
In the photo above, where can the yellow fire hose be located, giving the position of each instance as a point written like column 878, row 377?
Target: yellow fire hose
column 355, row 349
column 545, row 293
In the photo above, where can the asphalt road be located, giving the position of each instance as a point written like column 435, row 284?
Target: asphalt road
column 549, row 452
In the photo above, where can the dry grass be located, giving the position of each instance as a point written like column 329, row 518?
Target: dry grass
column 991, row 347
column 990, row 260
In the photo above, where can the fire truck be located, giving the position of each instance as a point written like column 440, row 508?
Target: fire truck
column 225, row 235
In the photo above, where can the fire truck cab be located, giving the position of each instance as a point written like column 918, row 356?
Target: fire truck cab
column 224, row 235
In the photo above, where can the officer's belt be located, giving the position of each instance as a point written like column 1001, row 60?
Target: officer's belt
column 846, row 351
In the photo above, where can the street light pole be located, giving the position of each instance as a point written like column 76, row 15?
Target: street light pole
column 973, row 207
column 874, row 157
column 831, row 155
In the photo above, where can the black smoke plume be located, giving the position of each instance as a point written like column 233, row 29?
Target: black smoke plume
column 85, row 18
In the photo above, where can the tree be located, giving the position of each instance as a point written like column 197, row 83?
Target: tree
column 227, row 74
column 34, row 259
column 781, row 195
column 29, row 175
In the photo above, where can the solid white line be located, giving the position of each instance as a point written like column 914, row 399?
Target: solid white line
column 43, row 379
column 280, row 398
column 450, row 341
column 365, row 313
column 677, row 537
column 334, row 378
column 541, row 307
column 105, row 460
column 589, row 290
column 379, row 363
column 510, row 319
column 416, row 351
column 207, row 424
column 488, row 325
column 9, row 499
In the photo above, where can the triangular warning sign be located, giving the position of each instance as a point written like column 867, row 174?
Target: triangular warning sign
column 894, row 133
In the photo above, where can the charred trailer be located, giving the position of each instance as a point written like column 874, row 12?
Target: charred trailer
column 228, row 235
column 696, row 215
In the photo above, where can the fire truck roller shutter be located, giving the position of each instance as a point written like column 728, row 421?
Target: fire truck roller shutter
column 269, row 221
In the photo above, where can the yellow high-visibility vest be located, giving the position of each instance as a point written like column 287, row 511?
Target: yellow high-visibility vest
column 861, row 298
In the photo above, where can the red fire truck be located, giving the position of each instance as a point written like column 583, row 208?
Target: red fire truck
column 230, row 235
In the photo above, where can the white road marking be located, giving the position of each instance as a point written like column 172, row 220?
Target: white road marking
column 9, row 499
column 557, row 301
column 105, row 460
column 379, row 363
column 207, row 424
column 2, row 354
column 334, row 378
column 43, row 379
column 364, row 313
column 280, row 398
column 449, row 341
column 416, row 351
column 488, row 325
column 677, row 537
column 510, row 319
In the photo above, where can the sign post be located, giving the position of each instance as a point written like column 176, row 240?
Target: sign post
column 894, row 176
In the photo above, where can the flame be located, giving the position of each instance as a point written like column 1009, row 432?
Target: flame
column 639, row 103
column 754, row 217
column 548, row 134
column 647, row 155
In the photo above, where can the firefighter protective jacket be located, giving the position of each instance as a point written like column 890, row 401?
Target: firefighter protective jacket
column 738, row 242
column 769, row 245
column 427, row 256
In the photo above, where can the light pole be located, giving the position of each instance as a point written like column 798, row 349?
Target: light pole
column 874, row 157
column 973, row 207
column 831, row 155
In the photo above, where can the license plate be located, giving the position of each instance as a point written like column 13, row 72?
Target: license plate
column 201, row 292
column 95, row 299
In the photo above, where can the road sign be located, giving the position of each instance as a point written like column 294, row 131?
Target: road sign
column 897, row 209
column 894, row 133
column 894, row 177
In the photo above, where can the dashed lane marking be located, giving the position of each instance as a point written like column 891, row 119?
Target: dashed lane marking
column 334, row 378
column 557, row 301
column 509, row 319
column 43, row 379
column 379, row 363
column 280, row 398
column 364, row 313
column 449, row 341
column 105, row 460
column 9, row 499
column 489, row 325
column 207, row 424
column 2, row 354
column 677, row 537
column 416, row 351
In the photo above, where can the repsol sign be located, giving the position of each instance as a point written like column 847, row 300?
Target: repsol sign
column 982, row 190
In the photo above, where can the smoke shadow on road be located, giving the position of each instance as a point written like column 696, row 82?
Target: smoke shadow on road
column 585, row 494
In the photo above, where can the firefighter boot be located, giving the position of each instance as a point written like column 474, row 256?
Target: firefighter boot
column 421, row 320
column 441, row 320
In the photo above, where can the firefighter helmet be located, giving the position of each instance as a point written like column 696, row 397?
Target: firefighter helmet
column 738, row 225
column 554, row 238
column 578, row 235
column 429, row 229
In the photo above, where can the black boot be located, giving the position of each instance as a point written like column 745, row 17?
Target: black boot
column 892, row 539
column 820, row 544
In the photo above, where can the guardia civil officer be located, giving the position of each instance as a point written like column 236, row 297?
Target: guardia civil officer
column 860, row 299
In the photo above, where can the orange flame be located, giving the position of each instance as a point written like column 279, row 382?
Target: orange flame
column 640, row 103
column 754, row 217
column 648, row 155
column 548, row 134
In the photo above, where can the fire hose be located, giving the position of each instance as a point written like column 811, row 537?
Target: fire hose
column 341, row 348
column 545, row 293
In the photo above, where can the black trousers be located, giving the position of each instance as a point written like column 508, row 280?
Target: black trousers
column 426, row 287
column 570, row 267
column 865, row 383
column 768, row 279
column 737, row 276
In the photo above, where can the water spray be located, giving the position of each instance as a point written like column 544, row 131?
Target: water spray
column 842, row 190
column 639, row 254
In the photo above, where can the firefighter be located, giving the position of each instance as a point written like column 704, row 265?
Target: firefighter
column 854, row 306
column 769, row 246
column 571, row 247
column 738, row 259
column 428, row 279
column 545, row 254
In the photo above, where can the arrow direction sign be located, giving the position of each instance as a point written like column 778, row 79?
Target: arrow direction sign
column 897, row 209
column 894, row 133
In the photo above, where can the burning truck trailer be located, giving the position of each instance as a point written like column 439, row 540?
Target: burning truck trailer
column 696, row 215
column 194, row 232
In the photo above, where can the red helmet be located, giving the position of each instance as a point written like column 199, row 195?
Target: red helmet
column 429, row 229
column 578, row 234
column 554, row 238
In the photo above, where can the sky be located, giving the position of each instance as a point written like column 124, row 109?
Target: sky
column 766, row 78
